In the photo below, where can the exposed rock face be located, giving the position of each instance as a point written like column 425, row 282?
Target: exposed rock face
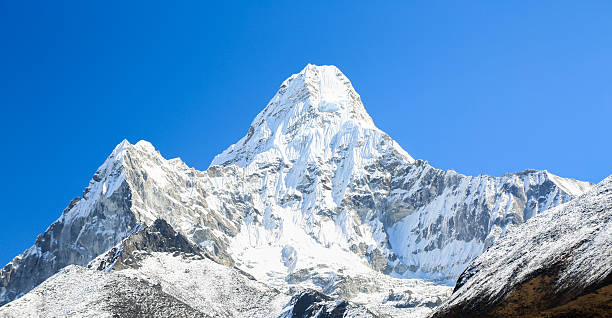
column 314, row 194
column 159, row 237
column 311, row 303
column 558, row 264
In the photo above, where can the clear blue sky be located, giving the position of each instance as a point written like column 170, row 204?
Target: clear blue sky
column 479, row 87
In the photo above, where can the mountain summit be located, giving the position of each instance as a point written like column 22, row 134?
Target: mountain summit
column 313, row 197
column 313, row 113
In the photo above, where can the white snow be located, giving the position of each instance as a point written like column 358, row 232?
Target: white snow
column 573, row 187
column 211, row 288
column 73, row 292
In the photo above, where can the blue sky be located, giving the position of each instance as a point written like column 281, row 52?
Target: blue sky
column 479, row 87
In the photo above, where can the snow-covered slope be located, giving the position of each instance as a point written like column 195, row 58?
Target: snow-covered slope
column 155, row 272
column 552, row 259
column 76, row 291
column 314, row 196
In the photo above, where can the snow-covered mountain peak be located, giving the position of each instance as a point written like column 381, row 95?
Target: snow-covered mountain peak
column 125, row 146
column 330, row 92
column 121, row 146
column 313, row 112
column 333, row 92
column 314, row 196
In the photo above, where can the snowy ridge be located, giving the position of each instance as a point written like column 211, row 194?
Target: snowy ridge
column 459, row 216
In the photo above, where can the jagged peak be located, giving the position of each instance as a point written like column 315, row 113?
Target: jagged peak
column 310, row 110
column 121, row 146
column 109, row 176
column 317, row 91
column 125, row 146
column 117, row 152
